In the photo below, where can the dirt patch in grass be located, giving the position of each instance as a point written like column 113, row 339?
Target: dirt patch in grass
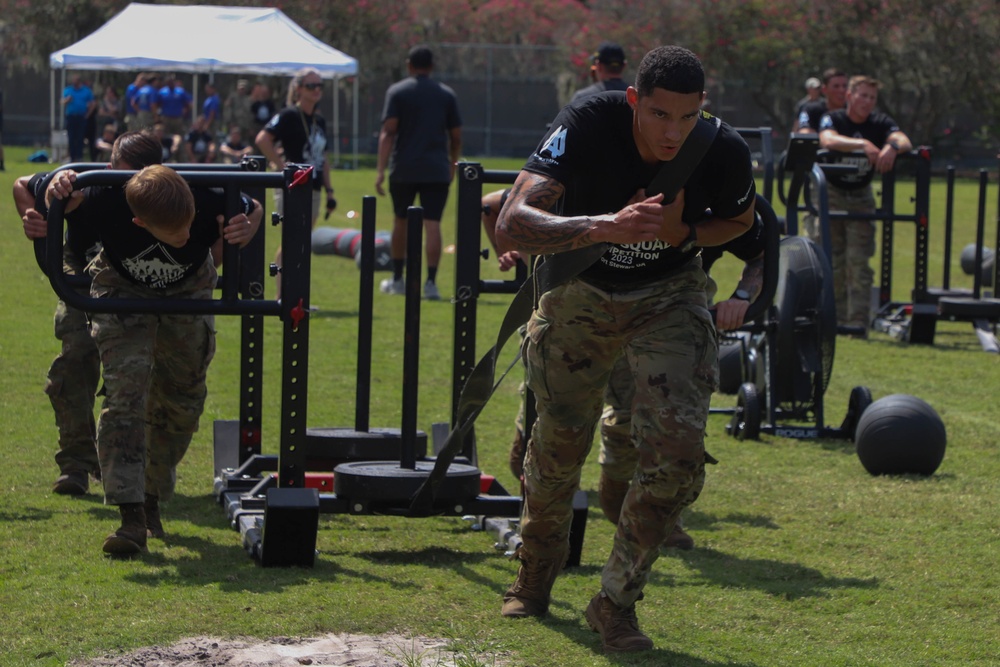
column 326, row 651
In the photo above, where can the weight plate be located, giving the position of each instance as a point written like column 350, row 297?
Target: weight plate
column 386, row 481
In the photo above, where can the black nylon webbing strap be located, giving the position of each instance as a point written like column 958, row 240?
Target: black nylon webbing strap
column 550, row 273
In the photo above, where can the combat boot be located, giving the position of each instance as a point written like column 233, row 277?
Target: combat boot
column 678, row 539
column 130, row 539
column 154, row 527
column 530, row 592
column 611, row 494
column 618, row 626
column 71, row 483
column 516, row 460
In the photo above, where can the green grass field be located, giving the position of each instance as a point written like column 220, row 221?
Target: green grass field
column 802, row 558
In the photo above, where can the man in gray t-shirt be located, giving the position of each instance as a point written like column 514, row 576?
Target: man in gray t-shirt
column 422, row 134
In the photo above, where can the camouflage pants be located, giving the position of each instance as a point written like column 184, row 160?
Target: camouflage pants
column 72, row 384
column 155, row 368
column 852, row 245
column 573, row 340
column 618, row 455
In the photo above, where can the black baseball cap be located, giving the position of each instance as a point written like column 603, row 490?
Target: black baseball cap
column 609, row 53
column 420, row 57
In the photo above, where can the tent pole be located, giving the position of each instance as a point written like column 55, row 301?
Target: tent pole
column 62, row 86
column 195, row 107
column 356, row 76
column 336, row 120
column 52, row 104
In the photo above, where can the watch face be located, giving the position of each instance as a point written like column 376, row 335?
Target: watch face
column 742, row 294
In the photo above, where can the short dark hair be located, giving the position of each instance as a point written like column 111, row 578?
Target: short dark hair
column 420, row 57
column 137, row 150
column 833, row 73
column 672, row 68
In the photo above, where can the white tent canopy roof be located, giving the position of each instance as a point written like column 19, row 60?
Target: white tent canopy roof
column 206, row 39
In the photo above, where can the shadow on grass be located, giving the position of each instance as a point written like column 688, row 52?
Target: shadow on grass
column 459, row 564
column 790, row 581
column 576, row 630
column 693, row 518
column 12, row 514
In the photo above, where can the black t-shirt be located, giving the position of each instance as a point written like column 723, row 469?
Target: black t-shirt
column 591, row 151
column 599, row 87
column 80, row 238
column 427, row 112
column 167, row 148
column 303, row 137
column 876, row 129
column 811, row 114
column 200, row 141
column 135, row 253
column 263, row 111
column 746, row 246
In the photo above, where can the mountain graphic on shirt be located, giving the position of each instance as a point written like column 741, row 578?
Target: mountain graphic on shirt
column 155, row 267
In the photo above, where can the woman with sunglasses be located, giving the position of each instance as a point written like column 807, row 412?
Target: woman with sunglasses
column 297, row 135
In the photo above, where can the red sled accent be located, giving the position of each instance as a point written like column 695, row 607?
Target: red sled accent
column 320, row 480
column 485, row 482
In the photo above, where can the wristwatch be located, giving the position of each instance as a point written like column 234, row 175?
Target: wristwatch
column 894, row 145
column 692, row 238
column 741, row 294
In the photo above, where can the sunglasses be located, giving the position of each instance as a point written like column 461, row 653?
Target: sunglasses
column 312, row 86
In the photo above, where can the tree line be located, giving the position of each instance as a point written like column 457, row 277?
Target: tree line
column 937, row 59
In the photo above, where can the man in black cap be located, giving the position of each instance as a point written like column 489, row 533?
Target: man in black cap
column 607, row 65
column 419, row 144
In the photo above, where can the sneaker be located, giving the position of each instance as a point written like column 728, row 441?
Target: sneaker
column 431, row 292
column 390, row 286
column 529, row 594
column 618, row 626
column 73, row 483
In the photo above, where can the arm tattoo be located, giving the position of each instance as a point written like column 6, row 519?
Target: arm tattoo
column 752, row 279
column 527, row 222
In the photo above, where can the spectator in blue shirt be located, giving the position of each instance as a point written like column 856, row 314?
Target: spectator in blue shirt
column 78, row 103
column 146, row 103
column 211, row 108
column 175, row 106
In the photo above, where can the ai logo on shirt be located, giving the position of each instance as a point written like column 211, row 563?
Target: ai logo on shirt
column 556, row 145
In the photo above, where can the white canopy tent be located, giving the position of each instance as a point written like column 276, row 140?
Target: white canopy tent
column 207, row 39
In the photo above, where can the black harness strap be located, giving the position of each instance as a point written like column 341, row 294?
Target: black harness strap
column 553, row 271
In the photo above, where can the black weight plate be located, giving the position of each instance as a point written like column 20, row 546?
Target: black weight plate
column 386, row 481
column 730, row 365
column 859, row 401
column 746, row 420
column 969, row 309
column 376, row 444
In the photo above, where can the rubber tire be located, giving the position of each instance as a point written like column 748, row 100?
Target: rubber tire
column 859, row 401
column 805, row 290
column 745, row 424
